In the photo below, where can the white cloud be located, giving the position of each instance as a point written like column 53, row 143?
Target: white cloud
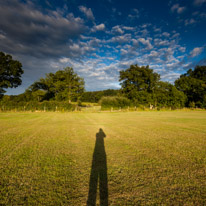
column 182, row 49
column 117, row 29
column 144, row 32
column 128, row 28
column 121, row 39
column 166, row 34
column 87, row 12
column 160, row 42
column 135, row 43
column 178, row 9
column 64, row 60
column 189, row 21
column 153, row 54
column 145, row 42
column 176, row 35
column 145, row 25
column 196, row 51
column 171, row 76
column 157, row 29
column 100, row 27
column 2, row 36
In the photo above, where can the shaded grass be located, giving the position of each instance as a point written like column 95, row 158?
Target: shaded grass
column 152, row 157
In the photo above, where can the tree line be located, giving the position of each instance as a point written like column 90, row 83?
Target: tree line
column 140, row 86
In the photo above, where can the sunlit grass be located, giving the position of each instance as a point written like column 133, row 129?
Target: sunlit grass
column 152, row 157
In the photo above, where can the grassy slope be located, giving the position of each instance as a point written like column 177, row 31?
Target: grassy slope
column 152, row 157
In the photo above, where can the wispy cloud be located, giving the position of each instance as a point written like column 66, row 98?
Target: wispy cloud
column 189, row 21
column 145, row 42
column 87, row 12
column 129, row 28
column 182, row 49
column 196, row 51
column 177, row 8
column 117, row 30
column 166, row 34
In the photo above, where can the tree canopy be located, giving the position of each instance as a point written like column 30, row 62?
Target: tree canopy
column 138, row 78
column 138, row 83
column 193, row 84
column 63, row 85
column 167, row 94
column 10, row 72
column 143, row 86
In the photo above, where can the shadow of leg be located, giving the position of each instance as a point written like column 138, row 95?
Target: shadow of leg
column 103, row 187
column 93, row 186
column 98, row 170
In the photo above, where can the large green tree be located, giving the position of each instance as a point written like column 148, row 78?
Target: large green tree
column 138, row 83
column 193, row 84
column 143, row 86
column 63, row 85
column 10, row 72
column 167, row 94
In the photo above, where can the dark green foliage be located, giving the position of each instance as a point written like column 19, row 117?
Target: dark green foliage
column 137, row 79
column 167, row 94
column 142, row 98
column 198, row 73
column 193, row 84
column 10, row 72
column 142, row 86
column 28, row 95
column 115, row 102
column 63, row 85
column 6, row 105
column 97, row 95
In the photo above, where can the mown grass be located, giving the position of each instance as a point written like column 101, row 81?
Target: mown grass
column 152, row 158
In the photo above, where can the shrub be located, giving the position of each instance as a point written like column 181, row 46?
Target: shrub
column 34, row 105
column 114, row 101
column 191, row 104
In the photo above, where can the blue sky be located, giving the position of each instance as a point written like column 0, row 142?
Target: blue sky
column 100, row 38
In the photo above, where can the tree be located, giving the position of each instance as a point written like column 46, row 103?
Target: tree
column 38, row 95
column 138, row 83
column 63, row 85
column 167, row 94
column 143, row 86
column 95, row 96
column 193, row 84
column 10, row 72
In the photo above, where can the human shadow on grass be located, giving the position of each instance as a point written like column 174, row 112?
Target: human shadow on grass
column 98, row 172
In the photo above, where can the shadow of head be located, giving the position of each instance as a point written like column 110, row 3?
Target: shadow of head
column 101, row 134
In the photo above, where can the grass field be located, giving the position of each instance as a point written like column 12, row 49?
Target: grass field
column 137, row 158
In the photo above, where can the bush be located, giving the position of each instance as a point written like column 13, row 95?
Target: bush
column 114, row 101
column 191, row 105
column 34, row 105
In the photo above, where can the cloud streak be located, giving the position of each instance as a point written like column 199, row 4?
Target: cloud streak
column 87, row 12
column 196, row 51
column 177, row 8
